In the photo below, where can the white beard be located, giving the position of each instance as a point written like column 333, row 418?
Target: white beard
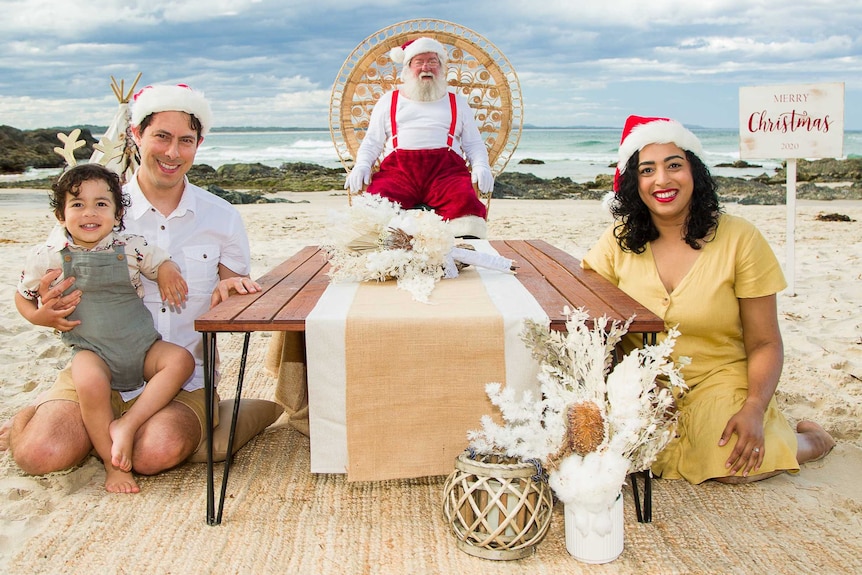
column 424, row 90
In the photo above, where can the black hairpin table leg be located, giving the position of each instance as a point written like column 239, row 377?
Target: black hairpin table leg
column 214, row 518
column 209, row 401
column 642, row 512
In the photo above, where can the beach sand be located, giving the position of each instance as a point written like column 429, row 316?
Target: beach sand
column 276, row 519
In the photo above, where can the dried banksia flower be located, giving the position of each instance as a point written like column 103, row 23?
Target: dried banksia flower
column 398, row 239
column 585, row 427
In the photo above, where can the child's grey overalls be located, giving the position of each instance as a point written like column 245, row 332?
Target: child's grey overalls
column 115, row 324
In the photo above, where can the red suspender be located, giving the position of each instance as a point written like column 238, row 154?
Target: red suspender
column 454, row 109
column 452, row 106
column 392, row 108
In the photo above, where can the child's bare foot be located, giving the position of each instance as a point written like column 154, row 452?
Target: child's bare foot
column 813, row 442
column 119, row 481
column 122, row 441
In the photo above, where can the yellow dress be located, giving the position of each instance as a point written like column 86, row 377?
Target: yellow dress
column 737, row 263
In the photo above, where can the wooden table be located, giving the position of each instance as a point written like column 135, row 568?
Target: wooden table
column 291, row 290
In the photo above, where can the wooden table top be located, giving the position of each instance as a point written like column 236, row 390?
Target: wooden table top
column 552, row 276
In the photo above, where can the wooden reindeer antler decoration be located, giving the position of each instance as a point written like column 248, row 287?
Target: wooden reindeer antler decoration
column 119, row 89
column 70, row 144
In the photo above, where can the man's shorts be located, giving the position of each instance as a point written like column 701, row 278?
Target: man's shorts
column 64, row 388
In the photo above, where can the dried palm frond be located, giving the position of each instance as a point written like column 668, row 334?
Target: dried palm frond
column 365, row 243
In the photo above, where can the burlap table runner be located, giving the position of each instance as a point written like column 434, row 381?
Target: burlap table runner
column 416, row 376
column 312, row 367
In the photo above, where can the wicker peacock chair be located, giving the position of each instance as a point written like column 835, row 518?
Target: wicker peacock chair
column 476, row 69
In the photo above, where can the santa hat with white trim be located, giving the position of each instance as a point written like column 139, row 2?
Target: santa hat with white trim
column 179, row 98
column 639, row 132
column 404, row 53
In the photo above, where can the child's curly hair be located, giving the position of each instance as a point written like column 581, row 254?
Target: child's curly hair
column 69, row 183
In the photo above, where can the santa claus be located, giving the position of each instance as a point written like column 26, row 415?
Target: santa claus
column 428, row 136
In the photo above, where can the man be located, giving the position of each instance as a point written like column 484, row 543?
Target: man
column 425, row 141
column 205, row 237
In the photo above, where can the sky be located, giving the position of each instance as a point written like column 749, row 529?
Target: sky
column 273, row 62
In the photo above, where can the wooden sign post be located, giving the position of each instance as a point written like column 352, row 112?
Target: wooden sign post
column 790, row 122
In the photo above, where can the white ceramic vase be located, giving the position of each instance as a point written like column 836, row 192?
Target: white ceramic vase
column 589, row 546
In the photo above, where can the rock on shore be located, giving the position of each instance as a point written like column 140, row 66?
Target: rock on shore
column 23, row 149
column 251, row 183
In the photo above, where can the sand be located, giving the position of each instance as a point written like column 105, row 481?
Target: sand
column 822, row 378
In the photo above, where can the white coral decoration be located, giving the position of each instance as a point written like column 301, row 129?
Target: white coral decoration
column 577, row 366
column 358, row 250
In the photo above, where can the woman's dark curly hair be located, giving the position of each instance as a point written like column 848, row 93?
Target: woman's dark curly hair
column 635, row 228
column 69, row 184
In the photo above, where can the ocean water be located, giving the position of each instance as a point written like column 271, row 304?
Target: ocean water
column 576, row 153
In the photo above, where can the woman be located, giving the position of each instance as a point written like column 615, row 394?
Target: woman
column 714, row 276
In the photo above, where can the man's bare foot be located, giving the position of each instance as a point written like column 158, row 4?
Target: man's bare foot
column 122, row 441
column 742, row 479
column 5, row 428
column 119, row 481
column 814, row 442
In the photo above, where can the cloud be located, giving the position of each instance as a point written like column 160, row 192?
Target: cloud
column 268, row 62
column 784, row 50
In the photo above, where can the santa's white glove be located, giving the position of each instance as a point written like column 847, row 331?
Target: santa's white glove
column 483, row 177
column 358, row 177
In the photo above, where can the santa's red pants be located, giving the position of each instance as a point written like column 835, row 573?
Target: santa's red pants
column 438, row 178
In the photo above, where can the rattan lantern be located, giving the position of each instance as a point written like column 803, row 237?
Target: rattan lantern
column 497, row 507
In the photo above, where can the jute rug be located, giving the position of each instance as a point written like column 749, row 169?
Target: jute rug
column 281, row 518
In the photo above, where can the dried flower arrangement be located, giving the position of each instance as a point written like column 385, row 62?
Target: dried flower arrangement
column 595, row 422
column 376, row 240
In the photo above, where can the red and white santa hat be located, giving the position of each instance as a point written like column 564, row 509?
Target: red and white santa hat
column 404, row 53
column 179, row 98
column 639, row 132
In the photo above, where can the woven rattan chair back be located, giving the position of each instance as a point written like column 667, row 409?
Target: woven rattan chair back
column 476, row 69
